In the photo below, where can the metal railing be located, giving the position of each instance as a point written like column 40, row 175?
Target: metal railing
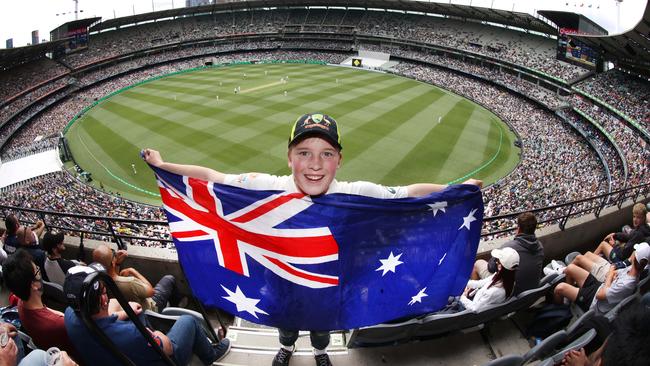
column 105, row 227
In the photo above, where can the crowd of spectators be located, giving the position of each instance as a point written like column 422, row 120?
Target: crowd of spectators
column 485, row 71
column 63, row 192
column 27, row 76
column 634, row 147
column 556, row 166
column 528, row 50
column 549, row 144
column 626, row 93
column 606, row 147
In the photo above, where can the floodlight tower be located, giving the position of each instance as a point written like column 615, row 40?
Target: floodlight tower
column 76, row 9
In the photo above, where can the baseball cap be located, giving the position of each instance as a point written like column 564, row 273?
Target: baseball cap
column 51, row 240
column 316, row 124
column 508, row 257
column 642, row 251
column 74, row 283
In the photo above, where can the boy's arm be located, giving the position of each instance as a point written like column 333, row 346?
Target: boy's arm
column 153, row 157
column 423, row 189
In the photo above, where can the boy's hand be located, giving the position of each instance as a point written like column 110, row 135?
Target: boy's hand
column 152, row 157
column 475, row 182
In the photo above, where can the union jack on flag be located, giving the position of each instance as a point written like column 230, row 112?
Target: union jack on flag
column 337, row 261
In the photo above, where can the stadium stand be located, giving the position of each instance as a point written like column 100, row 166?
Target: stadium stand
column 579, row 140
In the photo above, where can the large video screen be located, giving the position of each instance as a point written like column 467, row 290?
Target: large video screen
column 572, row 50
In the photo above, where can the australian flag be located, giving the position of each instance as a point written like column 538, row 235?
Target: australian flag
column 336, row 261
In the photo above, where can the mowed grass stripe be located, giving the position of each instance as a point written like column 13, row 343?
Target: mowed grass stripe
column 436, row 154
column 470, row 147
column 387, row 123
column 348, row 126
column 159, row 125
column 394, row 144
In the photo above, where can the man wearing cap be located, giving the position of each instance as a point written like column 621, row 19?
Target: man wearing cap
column 186, row 337
column 55, row 266
column 314, row 157
column 44, row 325
column 587, row 292
column 496, row 288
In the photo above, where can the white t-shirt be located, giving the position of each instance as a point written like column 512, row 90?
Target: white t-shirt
column 260, row 181
column 623, row 286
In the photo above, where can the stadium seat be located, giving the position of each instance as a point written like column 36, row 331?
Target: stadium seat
column 545, row 347
column 570, row 257
column 612, row 314
column 438, row 324
column 578, row 343
column 53, row 296
column 575, row 326
column 207, row 328
column 384, row 334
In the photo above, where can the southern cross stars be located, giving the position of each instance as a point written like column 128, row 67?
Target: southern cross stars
column 418, row 297
column 242, row 302
column 468, row 219
column 438, row 206
column 389, row 264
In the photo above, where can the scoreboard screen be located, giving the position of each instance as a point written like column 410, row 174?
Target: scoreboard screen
column 574, row 51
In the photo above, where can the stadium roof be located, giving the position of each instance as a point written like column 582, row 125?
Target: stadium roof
column 11, row 57
column 516, row 19
column 629, row 50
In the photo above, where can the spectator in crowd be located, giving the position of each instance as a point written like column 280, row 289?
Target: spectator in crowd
column 494, row 288
column 588, row 293
column 314, row 157
column 44, row 325
column 531, row 256
column 183, row 339
column 10, row 240
column 3, row 254
column 28, row 240
column 55, row 265
column 18, row 235
column 618, row 246
column 133, row 285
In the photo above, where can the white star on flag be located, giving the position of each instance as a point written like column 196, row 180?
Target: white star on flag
column 418, row 297
column 468, row 219
column 438, row 206
column 243, row 303
column 389, row 264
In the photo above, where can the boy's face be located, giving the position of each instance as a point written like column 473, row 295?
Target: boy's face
column 637, row 220
column 313, row 163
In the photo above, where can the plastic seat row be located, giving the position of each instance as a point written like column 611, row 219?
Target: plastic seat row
column 434, row 325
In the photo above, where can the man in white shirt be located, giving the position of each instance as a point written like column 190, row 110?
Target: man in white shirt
column 314, row 157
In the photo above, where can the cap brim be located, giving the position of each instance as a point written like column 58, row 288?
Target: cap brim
column 315, row 133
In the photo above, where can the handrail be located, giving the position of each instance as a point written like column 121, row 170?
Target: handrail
column 574, row 209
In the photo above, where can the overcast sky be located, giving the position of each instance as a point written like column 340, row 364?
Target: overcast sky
column 19, row 17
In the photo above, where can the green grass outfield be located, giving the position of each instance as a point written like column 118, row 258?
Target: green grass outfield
column 389, row 125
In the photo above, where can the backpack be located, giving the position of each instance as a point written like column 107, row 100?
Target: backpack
column 549, row 319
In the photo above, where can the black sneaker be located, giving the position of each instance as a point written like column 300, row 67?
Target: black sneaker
column 323, row 360
column 282, row 357
column 221, row 349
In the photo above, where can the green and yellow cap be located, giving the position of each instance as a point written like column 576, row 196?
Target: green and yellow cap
column 315, row 124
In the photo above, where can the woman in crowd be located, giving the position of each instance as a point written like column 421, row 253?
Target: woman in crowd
column 495, row 288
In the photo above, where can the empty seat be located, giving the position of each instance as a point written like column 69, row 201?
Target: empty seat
column 384, row 334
